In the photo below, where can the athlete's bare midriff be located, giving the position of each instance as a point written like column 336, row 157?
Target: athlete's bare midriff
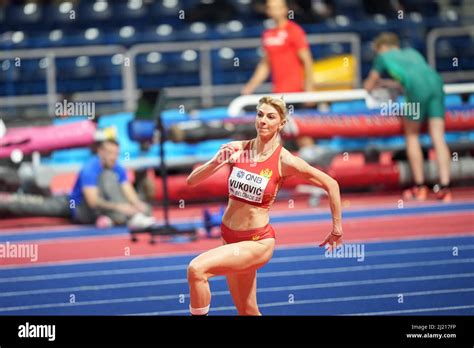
column 240, row 216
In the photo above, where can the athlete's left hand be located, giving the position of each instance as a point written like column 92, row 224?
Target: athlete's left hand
column 333, row 239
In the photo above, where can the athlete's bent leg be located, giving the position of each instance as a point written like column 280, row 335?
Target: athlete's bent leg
column 436, row 128
column 227, row 259
column 243, row 288
column 414, row 153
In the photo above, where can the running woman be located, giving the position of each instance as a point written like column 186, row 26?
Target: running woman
column 258, row 169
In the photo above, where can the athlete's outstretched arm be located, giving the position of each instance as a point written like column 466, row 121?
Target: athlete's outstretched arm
column 221, row 158
column 292, row 165
column 372, row 80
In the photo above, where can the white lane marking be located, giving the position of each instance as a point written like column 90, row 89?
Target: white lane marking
column 275, row 260
column 326, row 300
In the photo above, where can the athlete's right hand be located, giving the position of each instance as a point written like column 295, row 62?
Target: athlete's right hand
column 126, row 209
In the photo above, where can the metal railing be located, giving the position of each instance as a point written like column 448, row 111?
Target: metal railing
column 207, row 91
column 431, row 39
column 129, row 93
column 239, row 103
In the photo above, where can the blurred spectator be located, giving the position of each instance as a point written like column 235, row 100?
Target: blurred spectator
column 312, row 153
column 286, row 56
column 423, row 88
column 103, row 195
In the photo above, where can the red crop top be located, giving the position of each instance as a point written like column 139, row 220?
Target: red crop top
column 255, row 183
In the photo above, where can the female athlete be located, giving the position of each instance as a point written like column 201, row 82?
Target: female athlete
column 258, row 168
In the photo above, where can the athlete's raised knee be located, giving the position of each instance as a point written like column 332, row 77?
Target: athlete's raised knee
column 196, row 271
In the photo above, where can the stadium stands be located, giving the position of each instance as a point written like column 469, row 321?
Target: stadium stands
column 127, row 23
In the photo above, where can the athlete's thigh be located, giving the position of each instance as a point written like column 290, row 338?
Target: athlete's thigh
column 436, row 126
column 410, row 127
column 235, row 257
column 436, row 107
column 415, row 107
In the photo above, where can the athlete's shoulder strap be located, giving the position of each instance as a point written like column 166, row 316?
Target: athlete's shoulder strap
column 247, row 146
column 278, row 150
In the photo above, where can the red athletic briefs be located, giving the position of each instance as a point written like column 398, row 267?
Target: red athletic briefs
column 232, row 236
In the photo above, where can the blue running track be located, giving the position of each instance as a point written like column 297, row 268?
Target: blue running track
column 408, row 277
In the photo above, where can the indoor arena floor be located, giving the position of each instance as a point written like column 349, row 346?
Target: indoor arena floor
column 415, row 258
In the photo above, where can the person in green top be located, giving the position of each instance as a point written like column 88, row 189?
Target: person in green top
column 423, row 89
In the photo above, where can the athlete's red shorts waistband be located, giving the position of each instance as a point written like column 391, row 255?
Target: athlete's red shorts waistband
column 233, row 236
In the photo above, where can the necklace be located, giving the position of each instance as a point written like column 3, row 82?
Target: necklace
column 264, row 153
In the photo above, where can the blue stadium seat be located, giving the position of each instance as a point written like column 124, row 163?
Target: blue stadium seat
column 197, row 31
column 232, row 29
column 231, row 77
column 446, row 64
column 124, row 12
column 144, row 66
column 61, row 16
column 15, row 15
column 248, row 57
column 350, row 8
column 135, row 35
column 445, row 48
column 163, row 32
column 172, row 70
column 30, row 70
column 86, row 12
column 158, row 10
column 466, row 63
column 183, row 65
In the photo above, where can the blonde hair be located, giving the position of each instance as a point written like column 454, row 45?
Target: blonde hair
column 386, row 38
column 278, row 103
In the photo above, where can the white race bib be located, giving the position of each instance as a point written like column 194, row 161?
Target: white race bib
column 247, row 185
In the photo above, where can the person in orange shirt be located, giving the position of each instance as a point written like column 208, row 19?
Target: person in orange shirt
column 286, row 57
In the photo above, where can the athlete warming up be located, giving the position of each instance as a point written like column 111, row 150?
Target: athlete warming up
column 258, row 169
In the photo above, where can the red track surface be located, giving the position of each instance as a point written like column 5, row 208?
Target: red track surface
column 294, row 233
column 378, row 228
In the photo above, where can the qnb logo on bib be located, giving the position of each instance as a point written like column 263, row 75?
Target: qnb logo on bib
column 247, row 185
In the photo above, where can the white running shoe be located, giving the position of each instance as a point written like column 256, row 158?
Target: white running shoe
column 141, row 221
